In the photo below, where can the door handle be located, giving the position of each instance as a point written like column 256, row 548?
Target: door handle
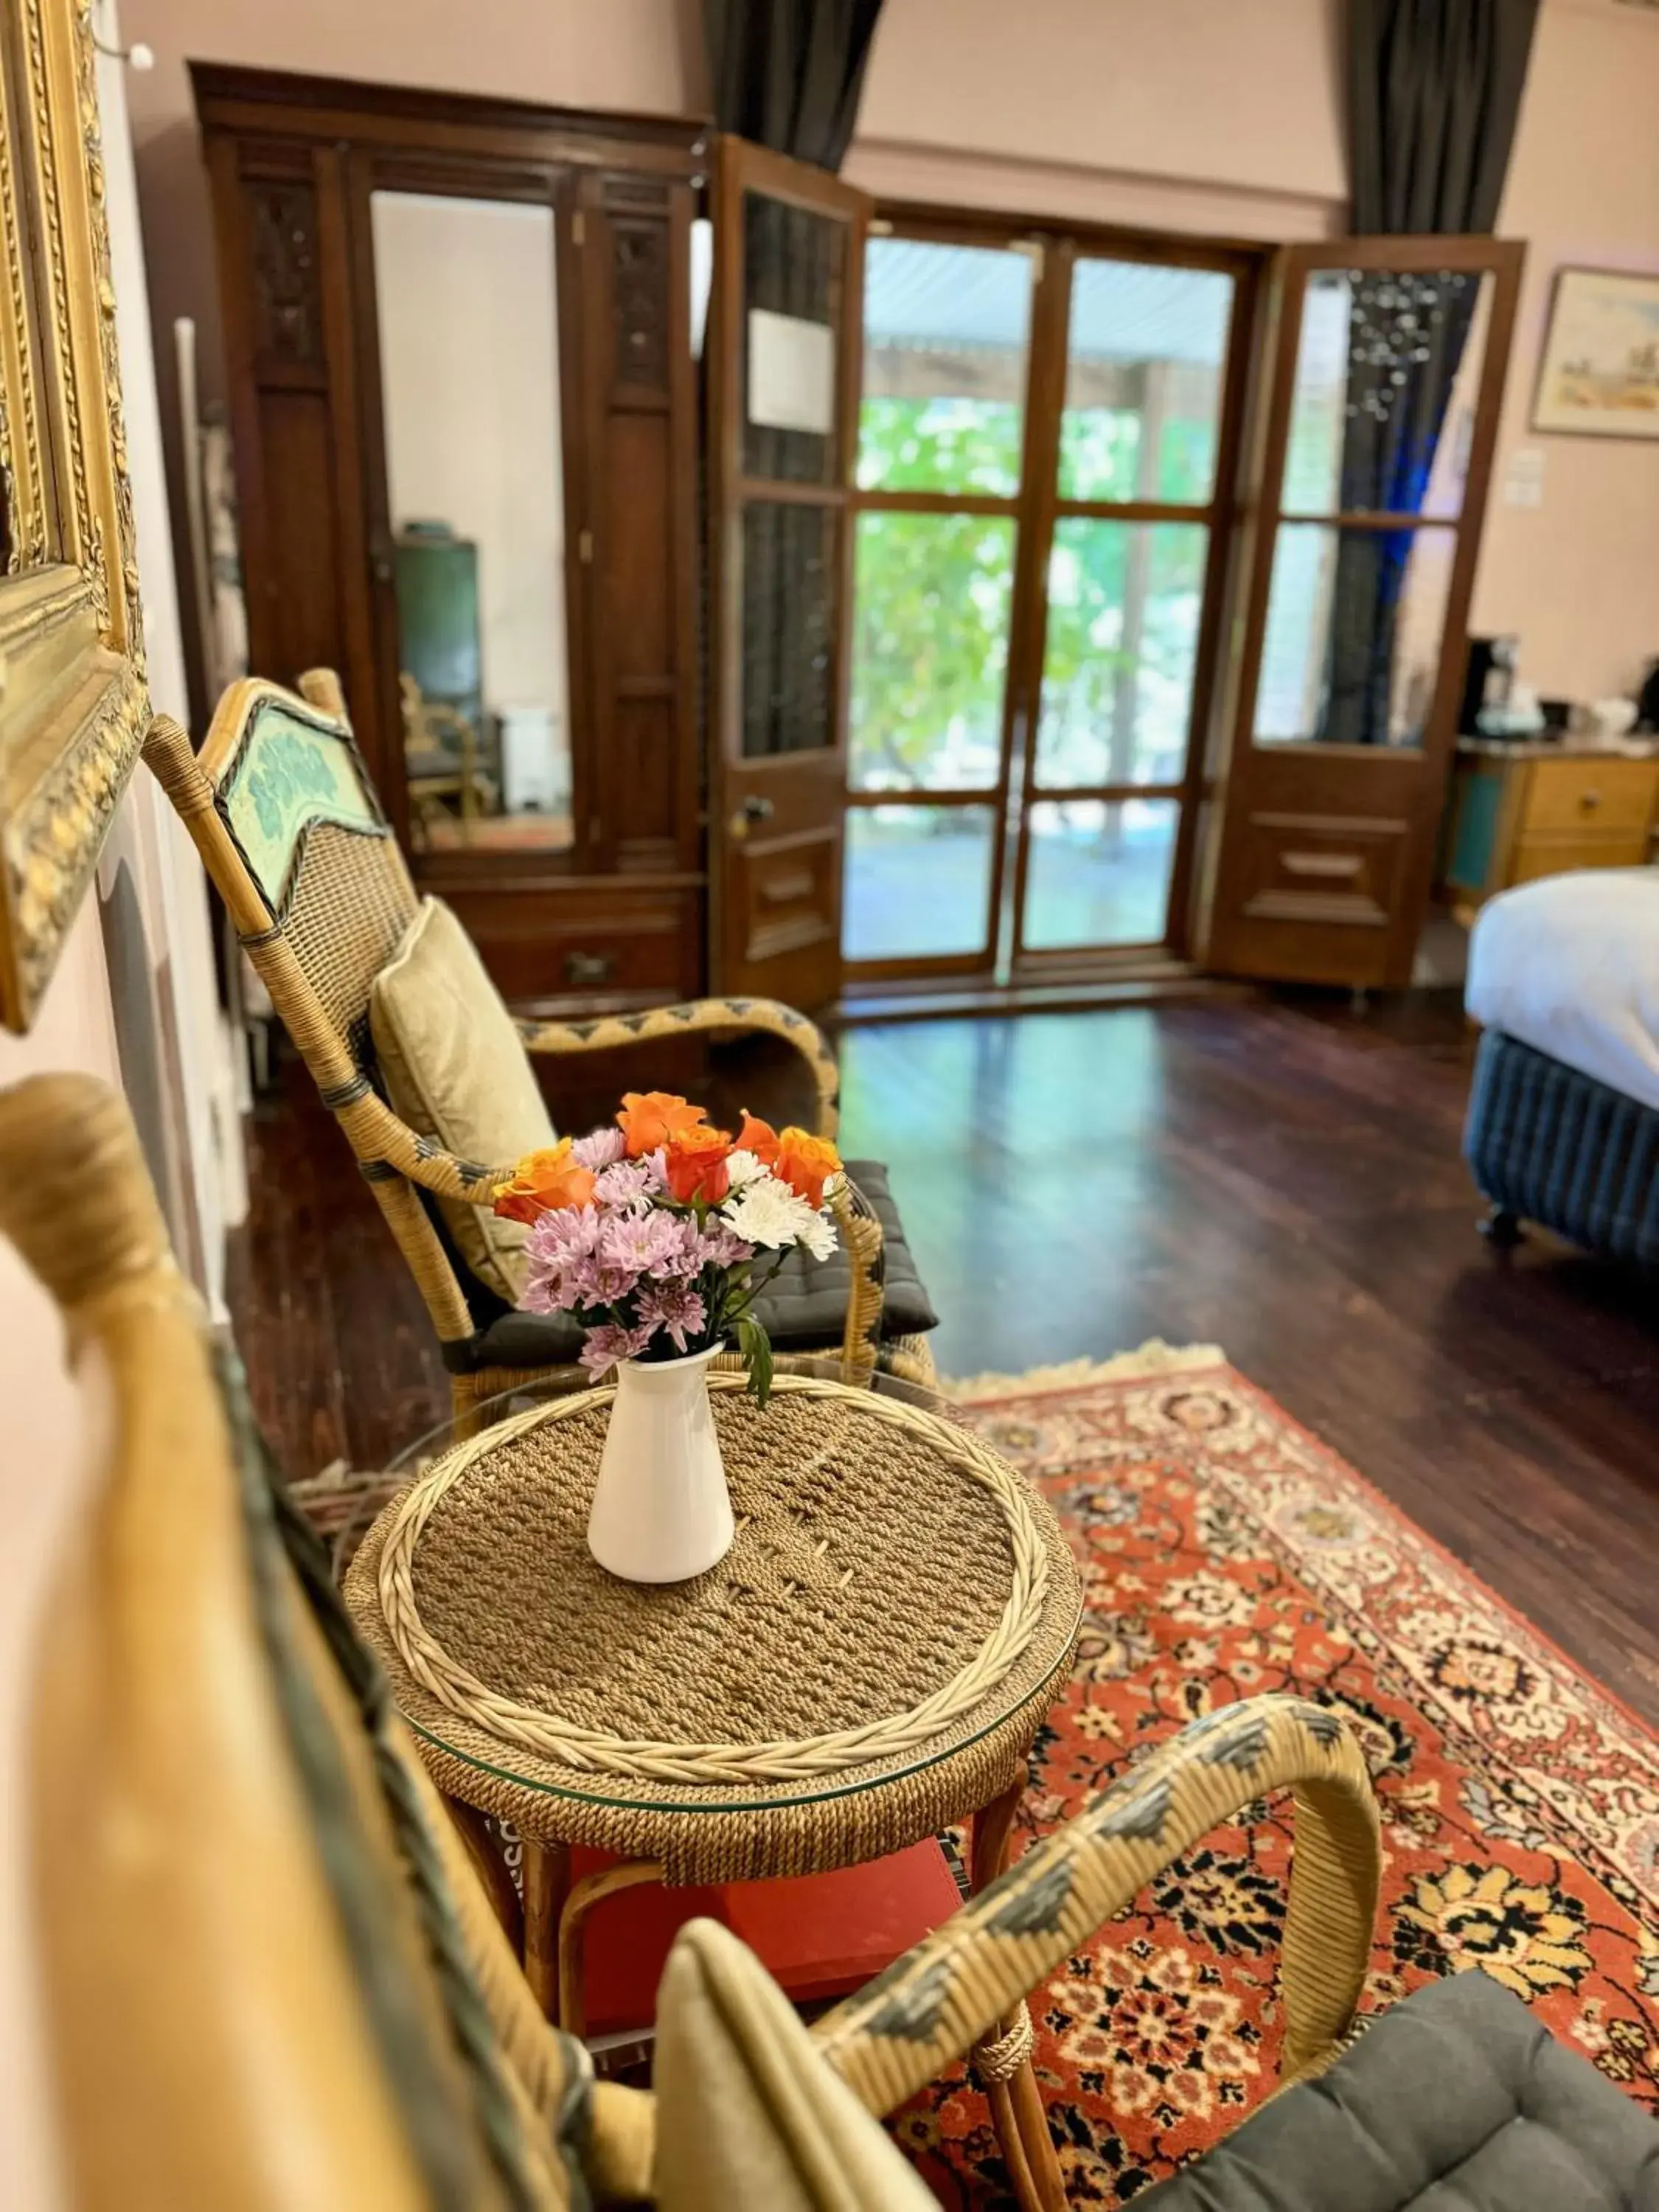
column 754, row 808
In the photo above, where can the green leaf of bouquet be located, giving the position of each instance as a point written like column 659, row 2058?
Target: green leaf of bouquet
column 756, row 1348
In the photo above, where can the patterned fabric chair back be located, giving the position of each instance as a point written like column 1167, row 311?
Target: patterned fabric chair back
column 281, row 808
column 292, row 790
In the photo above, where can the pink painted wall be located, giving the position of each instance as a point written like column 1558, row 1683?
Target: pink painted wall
column 1188, row 115
column 1578, row 577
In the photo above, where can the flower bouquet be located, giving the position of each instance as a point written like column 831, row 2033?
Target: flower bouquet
column 658, row 1234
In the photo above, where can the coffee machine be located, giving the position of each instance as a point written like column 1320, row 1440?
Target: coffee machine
column 1488, row 681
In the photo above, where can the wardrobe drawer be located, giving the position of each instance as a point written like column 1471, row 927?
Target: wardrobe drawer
column 587, row 947
column 1590, row 794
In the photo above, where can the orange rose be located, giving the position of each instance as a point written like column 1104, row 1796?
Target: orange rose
column 759, row 1137
column 543, row 1182
column 805, row 1163
column 650, row 1118
column 696, row 1161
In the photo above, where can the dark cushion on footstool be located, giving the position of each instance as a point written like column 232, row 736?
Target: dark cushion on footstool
column 804, row 1305
column 1457, row 2101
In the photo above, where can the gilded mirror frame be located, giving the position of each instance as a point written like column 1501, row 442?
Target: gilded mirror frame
column 73, row 700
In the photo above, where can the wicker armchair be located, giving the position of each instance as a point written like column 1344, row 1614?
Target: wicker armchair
column 282, row 811
column 232, row 1827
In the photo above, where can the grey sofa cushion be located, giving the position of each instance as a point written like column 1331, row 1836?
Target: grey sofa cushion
column 803, row 1306
column 1458, row 2100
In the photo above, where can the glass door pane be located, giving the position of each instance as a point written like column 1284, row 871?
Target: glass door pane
column 946, row 333
column 942, row 420
column 1098, row 873
column 932, row 599
column 789, row 599
column 1356, row 620
column 465, row 298
column 1124, row 599
column 1146, row 351
column 793, row 282
column 918, row 881
column 1388, row 365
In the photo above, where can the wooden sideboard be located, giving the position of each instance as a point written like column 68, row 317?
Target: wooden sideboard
column 1520, row 809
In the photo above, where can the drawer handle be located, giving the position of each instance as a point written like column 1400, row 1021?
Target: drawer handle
column 1590, row 800
column 589, row 967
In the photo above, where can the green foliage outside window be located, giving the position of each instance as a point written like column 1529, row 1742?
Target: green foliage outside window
column 934, row 593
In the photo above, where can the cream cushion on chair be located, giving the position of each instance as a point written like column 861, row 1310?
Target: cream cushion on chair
column 454, row 1069
column 748, row 2114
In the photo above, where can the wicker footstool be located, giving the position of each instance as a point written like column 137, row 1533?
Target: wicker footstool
column 870, row 1663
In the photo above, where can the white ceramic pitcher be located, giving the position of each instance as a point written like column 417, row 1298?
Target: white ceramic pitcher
column 661, row 1509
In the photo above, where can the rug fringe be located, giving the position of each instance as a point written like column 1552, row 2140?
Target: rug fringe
column 1152, row 1358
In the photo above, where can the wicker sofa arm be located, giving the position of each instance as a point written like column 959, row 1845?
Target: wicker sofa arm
column 969, row 1978
column 860, row 1235
column 760, row 1016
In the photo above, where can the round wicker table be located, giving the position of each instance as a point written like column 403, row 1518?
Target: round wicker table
column 869, row 1663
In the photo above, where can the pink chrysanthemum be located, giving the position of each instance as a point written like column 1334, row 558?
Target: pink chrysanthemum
column 674, row 1308
column 604, row 1345
column 601, row 1149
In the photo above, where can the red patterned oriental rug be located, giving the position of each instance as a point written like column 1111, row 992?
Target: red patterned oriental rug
column 1227, row 1553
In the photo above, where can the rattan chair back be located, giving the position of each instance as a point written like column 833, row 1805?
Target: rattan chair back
column 282, row 811
column 281, row 808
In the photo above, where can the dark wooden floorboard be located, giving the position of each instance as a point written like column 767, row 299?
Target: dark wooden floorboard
column 1278, row 1176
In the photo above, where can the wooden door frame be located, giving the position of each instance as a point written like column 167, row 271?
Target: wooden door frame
column 1000, row 232
column 738, row 168
column 1262, row 503
column 1033, row 509
column 1218, row 517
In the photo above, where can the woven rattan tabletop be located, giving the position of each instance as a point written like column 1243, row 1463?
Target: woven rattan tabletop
column 870, row 1662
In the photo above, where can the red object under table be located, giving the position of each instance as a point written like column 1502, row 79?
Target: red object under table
column 819, row 1935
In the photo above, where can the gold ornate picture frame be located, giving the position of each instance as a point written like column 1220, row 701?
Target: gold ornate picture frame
column 73, row 700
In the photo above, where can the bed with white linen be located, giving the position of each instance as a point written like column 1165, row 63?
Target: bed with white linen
column 1563, row 1122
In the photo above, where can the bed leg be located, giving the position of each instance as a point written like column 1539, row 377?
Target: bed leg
column 1502, row 1228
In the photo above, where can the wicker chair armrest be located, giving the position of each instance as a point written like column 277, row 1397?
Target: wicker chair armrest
column 861, row 1240
column 385, row 1145
column 971, row 1976
column 760, row 1016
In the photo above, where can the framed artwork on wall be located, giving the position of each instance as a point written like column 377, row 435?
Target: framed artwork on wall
column 1599, row 377
column 73, row 703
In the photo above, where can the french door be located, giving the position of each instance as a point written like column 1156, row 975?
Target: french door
column 1046, row 456
column 1383, row 385
column 782, row 409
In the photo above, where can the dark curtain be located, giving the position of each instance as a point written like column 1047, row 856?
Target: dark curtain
column 788, row 73
column 1434, row 88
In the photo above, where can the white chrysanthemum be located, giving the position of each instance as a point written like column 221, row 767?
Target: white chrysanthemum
column 742, row 1168
column 767, row 1211
column 819, row 1234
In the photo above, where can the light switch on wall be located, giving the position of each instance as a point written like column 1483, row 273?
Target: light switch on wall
column 1524, row 477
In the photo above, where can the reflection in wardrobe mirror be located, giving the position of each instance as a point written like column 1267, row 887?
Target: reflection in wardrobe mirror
column 470, row 384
